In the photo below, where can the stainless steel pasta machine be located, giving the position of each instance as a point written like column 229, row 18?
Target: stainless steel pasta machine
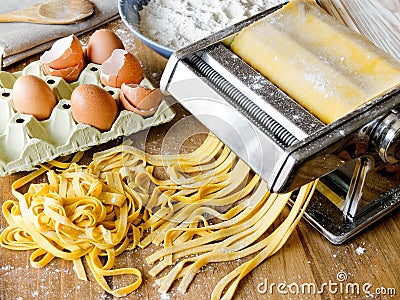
column 356, row 158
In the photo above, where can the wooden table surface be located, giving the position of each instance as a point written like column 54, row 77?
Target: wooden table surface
column 307, row 257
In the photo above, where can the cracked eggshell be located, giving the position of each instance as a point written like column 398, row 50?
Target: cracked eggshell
column 139, row 99
column 64, row 53
column 121, row 67
column 69, row 74
column 101, row 44
column 93, row 105
column 31, row 95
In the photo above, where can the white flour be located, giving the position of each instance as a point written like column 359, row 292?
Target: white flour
column 178, row 23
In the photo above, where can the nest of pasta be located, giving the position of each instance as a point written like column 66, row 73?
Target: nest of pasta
column 206, row 206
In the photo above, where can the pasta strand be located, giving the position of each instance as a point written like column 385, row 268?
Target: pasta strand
column 207, row 207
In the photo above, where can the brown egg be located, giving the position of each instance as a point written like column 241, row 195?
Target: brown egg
column 101, row 44
column 121, row 67
column 64, row 53
column 93, row 105
column 141, row 100
column 31, row 95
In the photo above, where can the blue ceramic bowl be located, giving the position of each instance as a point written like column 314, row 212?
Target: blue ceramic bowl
column 129, row 12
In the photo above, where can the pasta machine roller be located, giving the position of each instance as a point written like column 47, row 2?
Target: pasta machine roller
column 355, row 158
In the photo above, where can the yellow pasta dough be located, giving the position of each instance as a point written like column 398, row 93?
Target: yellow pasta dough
column 98, row 211
column 324, row 66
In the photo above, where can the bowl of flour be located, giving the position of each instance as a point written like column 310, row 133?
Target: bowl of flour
column 168, row 25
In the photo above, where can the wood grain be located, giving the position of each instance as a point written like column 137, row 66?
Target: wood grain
column 306, row 259
column 379, row 20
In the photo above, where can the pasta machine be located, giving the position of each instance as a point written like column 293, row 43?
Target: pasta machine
column 355, row 158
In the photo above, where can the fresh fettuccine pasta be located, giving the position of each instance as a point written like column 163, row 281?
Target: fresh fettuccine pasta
column 206, row 206
column 76, row 215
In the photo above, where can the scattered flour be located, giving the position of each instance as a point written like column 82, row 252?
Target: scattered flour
column 360, row 250
column 165, row 296
column 178, row 23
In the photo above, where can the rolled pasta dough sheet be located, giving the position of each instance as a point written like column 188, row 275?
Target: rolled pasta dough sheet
column 323, row 65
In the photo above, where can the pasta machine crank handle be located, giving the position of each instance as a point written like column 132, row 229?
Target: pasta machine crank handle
column 384, row 136
column 362, row 166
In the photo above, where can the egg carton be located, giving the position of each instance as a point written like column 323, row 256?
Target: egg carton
column 25, row 142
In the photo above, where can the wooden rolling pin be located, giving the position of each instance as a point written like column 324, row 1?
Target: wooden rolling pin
column 379, row 20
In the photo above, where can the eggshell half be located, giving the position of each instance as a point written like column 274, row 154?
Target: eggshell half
column 64, row 53
column 141, row 100
column 121, row 67
column 93, row 105
column 101, row 44
column 69, row 74
column 31, row 95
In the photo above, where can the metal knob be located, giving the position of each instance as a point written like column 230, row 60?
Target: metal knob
column 384, row 135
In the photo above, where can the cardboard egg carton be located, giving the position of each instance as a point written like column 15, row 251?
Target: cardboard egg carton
column 26, row 142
